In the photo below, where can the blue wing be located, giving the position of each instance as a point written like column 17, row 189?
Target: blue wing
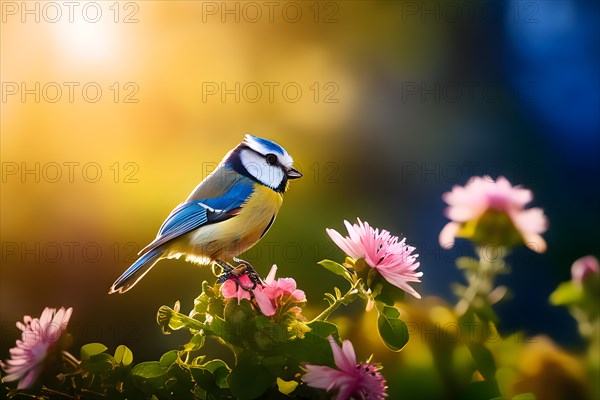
column 192, row 215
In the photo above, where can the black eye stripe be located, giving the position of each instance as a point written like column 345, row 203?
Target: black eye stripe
column 271, row 159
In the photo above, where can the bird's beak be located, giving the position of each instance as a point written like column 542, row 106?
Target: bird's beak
column 292, row 173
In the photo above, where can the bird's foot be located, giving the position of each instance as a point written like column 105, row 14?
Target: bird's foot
column 249, row 270
column 244, row 268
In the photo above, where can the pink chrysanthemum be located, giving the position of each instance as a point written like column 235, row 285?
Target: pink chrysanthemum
column 353, row 381
column 498, row 199
column 270, row 297
column 37, row 341
column 392, row 258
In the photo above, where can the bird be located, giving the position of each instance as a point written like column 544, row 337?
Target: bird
column 226, row 214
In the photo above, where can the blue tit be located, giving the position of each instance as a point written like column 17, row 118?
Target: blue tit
column 225, row 215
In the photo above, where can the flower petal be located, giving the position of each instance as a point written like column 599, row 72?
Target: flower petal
column 535, row 242
column 229, row 289
column 343, row 243
column 28, row 380
column 448, row 235
column 341, row 359
column 321, row 377
column 271, row 276
column 481, row 194
column 263, row 301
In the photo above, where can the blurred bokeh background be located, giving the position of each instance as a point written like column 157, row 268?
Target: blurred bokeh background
column 112, row 112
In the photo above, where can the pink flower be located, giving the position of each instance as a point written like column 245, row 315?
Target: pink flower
column 353, row 381
column 274, row 294
column 37, row 341
column 238, row 287
column 584, row 267
column 482, row 196
column 393, row 259
column 277, row 293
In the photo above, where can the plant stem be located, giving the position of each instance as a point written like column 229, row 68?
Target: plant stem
column 336, row 304
column 480, row 284
column 475, row 304
column 70, row 359
column 190, row 322
column 56, row 392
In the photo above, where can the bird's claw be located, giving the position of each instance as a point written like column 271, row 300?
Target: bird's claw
column 244, row 267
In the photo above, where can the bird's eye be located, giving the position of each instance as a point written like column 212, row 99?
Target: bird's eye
column 271, row 159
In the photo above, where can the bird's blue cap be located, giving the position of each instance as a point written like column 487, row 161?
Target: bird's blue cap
column 269, row 146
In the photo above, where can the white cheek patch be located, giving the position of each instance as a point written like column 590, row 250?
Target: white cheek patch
column 256, row 165
column 286, row 160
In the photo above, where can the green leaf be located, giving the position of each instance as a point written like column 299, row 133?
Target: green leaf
column 337, row 292
column 99, row 363
column 566, row 293
column 392, row 330
column 249, row 380
column 150, row 377
column 484, row 360
column 149, row 370
column 123, row 355
column 359, row 264
column 91, row 349
column 169, row 320
column 196, row 342
column 168, row 358
column 274, row 364
column 234, row 313
column 323, row 329
column 330, row 298
column 336, row 269
column 220, row 370
column 314, row 348
column 208, row 290
column 372, row 277
column 385, row 299
column 198, row 360
column 212, row 377
column 180, row 381
column 383, row 290
column 389, row 312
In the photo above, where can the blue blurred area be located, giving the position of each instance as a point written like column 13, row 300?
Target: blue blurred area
column 554, row 56
column 544, row 134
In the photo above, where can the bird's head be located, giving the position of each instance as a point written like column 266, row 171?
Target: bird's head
column 264, row 161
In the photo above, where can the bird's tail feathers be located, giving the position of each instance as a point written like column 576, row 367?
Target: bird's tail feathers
column 137, row 271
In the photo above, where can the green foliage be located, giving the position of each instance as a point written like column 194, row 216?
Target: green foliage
column 270, row 351
column 99, row 363
column 485, row 360
column 566, row 294
column 337, row 269
column 392, row 329
column 92, row 349
column 123, row 355
column 249, row 379
column 494, row 227
column 383, row 291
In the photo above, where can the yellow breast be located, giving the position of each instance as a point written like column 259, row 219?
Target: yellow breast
column 227, row 239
